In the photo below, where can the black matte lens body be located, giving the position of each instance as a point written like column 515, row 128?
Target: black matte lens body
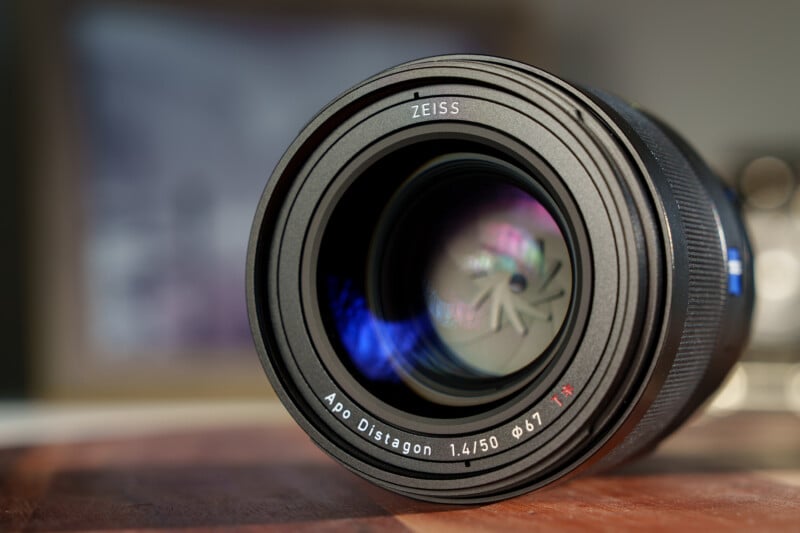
column 468, row 279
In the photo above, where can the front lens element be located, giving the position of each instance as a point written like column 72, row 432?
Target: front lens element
column 464, row 286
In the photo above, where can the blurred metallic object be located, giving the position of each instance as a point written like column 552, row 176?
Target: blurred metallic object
column 760, row 386
column 769, row 377
column 768, row 185
column 794, row 208
column 778, row 274
column 767, row 182
column 793, row 389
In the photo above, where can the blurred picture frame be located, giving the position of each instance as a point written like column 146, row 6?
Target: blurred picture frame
column 124, row 237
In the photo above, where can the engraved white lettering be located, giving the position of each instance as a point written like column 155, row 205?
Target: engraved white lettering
column 369, row 430
column 438, row 108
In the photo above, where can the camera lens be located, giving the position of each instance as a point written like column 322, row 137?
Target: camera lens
column 468, row 279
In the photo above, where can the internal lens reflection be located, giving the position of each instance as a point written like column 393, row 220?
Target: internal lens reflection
column 497, row 292
column 373, row 343
column 459, row 278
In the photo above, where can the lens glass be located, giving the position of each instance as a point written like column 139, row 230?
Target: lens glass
column 449, row 281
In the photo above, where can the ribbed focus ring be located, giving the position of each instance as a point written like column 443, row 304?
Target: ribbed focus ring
column 707, row 284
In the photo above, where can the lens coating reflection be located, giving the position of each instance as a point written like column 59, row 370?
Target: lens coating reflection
column 497, row 292
column 466, row 280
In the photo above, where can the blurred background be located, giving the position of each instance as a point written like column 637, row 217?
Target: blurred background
column 137, row 137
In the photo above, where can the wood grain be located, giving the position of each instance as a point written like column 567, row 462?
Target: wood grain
column 710, row 477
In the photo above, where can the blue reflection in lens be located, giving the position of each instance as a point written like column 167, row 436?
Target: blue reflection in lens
column 375, row 346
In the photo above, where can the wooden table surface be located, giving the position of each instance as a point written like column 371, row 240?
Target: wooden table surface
column 738, row 473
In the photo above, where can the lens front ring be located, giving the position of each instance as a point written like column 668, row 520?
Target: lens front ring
column 591, row 366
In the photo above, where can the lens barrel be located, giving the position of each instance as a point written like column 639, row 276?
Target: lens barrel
column 468, row 279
